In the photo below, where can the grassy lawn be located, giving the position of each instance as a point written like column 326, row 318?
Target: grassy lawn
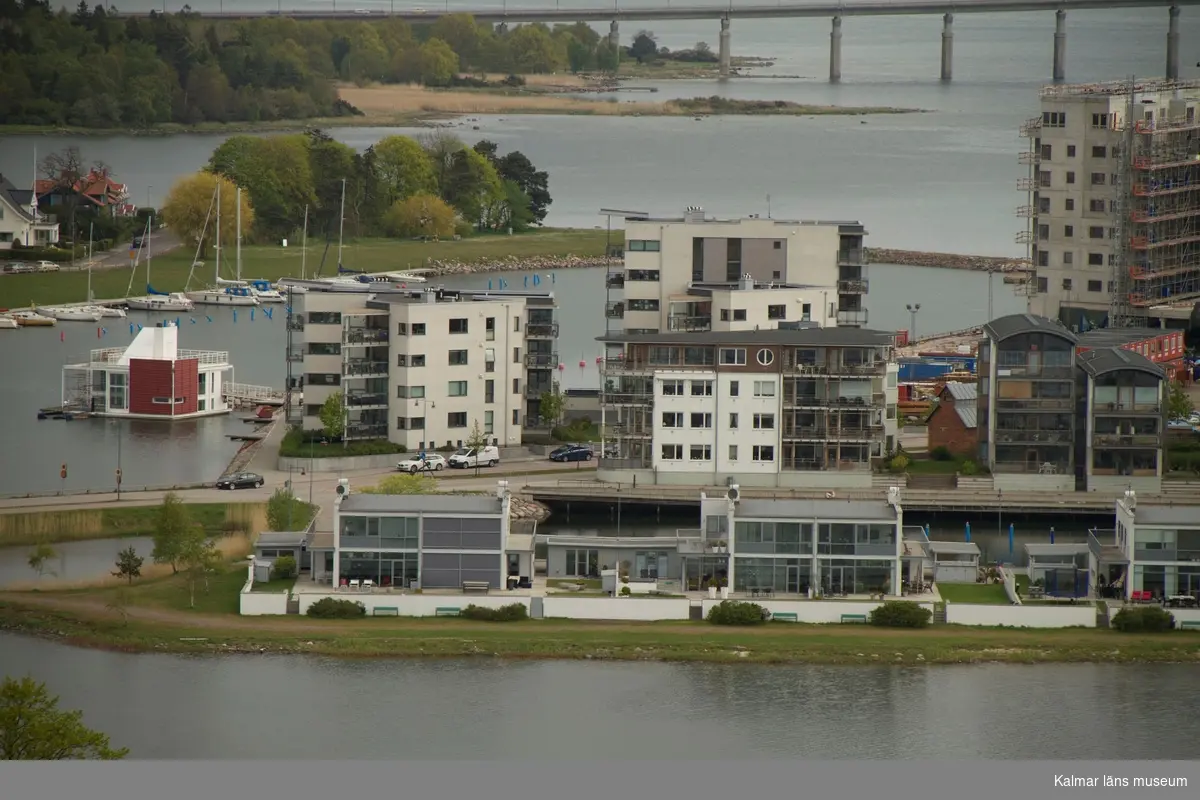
column 271, row 262
column 922, row 466
column 991, row 594
column 79, row 524
column 171, row 592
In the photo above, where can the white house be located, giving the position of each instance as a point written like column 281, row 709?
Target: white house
column 20, row 222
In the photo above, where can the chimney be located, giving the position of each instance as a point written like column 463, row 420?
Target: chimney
column 693, row 214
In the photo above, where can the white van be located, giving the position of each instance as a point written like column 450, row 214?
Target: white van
column 475, row 457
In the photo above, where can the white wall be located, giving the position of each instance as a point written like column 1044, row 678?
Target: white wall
column 626, row 608
column 1033, row 482
column 415, row 605
column 1021, row 616
column 754, row 301
column 746, row 405
column 951, row 572
column 1180, row 614
column 258, row 604
column 813, row 611
column 684, row 405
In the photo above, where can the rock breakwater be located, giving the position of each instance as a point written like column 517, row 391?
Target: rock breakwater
column 919, row 258
column 436, row 269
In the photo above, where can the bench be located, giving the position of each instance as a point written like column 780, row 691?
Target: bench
column 847, row 618
column 479, row 587
column 448, row 612
column 1190, row 624
column 785, row 616
column 386, row 611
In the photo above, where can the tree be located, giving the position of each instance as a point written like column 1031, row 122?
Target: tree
column 552, row 405
column 333, row 415
column 275, row 172
column 461, row 33
column 535, row 183
column 608, row 57
column 285, row 512
column 129, row 564
column 32, row 728
column 472, row 184
column 402, row 484
column 441, row 147
column 533, row 50
column 66, row 170
column 189, row 206
column 199, row 557
column 436, row 63
column 172, row 526
column 644, row 47
column 477, row 440
column 1179, row 405
column 403, row 169
column 283, row 569
column 580, row 57
column 421, row 215
column 40, row 556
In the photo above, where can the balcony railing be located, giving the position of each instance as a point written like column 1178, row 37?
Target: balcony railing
column 373, row 431
column 851, row 256
column 805, row 465
column 360, row 369
column 824, row 368
column 362, row 399
column 682, row 323
column 541, row 330
column 857, row 316
column 615, row 310
column 544, row 360
column 1104, row 409
column 1033, row 437
column 1040, row 404
column 628, row 365
column 367, row 336
column 535, row 391
column 295, row 323
column 1126, row 440
column 859, row 286
column 628, row 398
column 1033, row 468
column 615, row 280
column 623, row 463
column 295, row 355
column 1063, row 373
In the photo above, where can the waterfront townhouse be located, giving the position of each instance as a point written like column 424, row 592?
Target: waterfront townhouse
column 696, row 273
column 793, row 406
column 1154, row 549
column 422, row 367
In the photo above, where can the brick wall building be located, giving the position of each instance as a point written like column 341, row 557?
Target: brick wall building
column 953, row 423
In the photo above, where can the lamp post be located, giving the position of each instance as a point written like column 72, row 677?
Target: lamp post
column 311, row 446
column 423, row 402
column 913, row 308
column 120, row 436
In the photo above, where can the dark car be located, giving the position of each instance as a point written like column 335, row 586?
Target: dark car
column 572, row 452
column 240, row 480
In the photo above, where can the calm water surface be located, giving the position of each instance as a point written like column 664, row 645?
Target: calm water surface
column 293, row 707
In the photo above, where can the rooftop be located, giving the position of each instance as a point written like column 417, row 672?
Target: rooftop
column 697, row 217
column 1078, row 91
column 1016, row 324
column 954, row 548
column 19, row 199
column 357, row 503
column 1182, row 516
column 1114, row 337
column 1113, row 359
column 962, row 391
column 269, row 539
column 856, row 510
column 1052, row 550
column 439, row 294
column 793, row 337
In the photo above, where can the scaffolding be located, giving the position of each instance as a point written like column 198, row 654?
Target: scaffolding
column 1031, row 129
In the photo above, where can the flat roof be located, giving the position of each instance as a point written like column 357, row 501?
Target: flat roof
column 954, row 548
column 1182, row 516
column 597, row 542
column 520, row 543
column 871, row 510
column 443, row 296
column 1114, row 88
column 1003, row 328
column 1104, row 360
column 1110, row 337
column 698, row 219
column 1051, row 550
column 362, row 503
column 793, row 337
column 281, row 539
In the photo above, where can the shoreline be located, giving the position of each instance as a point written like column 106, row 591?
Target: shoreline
column 937, row 260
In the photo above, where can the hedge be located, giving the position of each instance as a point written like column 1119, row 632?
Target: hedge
column 736, row 612
column 1146, row 619
column 510, row 613
column 900, row 614
column 333, row 608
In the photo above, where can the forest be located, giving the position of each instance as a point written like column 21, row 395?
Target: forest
column 93, row 68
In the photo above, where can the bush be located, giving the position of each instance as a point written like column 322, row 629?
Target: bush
column 969, row 468
column 941, row 453
column 314, row 444
column 626, row 591
column 510, row 613
column 333, row 608
column 735, row 612
column 900, row 614
column 283, row 569
column 899, row 463
column 1147, row 619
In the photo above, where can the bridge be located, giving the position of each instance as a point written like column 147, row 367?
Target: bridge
column 725, row 14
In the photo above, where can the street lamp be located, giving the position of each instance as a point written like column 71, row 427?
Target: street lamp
column 120, row 437
column 913, row 308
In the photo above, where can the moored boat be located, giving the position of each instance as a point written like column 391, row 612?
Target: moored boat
column 175, row 301
column 72, row 313
column 8, row 323
column 32, row 319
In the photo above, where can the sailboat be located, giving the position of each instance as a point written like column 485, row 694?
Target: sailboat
column 156, row 301
column 84, row 313
column 223, row 292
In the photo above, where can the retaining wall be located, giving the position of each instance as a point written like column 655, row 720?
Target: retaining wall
column 415, row 605
column 626, row 608
column 814, row 611
column 1021, row 616
column 260, row 604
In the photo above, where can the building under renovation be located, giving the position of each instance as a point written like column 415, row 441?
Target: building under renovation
column 1114, row 202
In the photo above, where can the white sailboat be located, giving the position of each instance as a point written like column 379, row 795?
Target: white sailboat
column 31, row 319
column 222, row 292
column 156, row 301
column 72, row 313
column 8, row 324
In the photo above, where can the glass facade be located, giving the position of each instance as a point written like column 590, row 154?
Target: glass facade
column 780, row 575
column 773, row 537
column 849, row 538
column 399, row 533
column 583, row 563
column 855, row 576
column 385, row 569
column 1034, row 400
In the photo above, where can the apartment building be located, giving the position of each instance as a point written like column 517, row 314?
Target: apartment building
column 1154, row 549
column 1053, row 418
column 695, row 273
column 422, row 368
column 1113, row 205
column 790, row 406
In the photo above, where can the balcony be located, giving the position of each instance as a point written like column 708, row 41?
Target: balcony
column 366, row 369
column 614, row 310
column 682, row 323
column 541, row 330
column 535, row 391
column 1037, row 371
column 859, row 286
column 1033, row 437
column 627, row 398
column 295, row 354
column 1033, row 468
column 1120, row 440
column 805, row 432
column 864, row 433
column 852, row 317
column 1059, row 405
column 356, row 431
column 617, row 364
column 1029, row 157
column 615, row 280
column 1109, row 409
column 295, row 323
column 364, row 336
column 366, row 400
column 866, row 368
column 541, row 360
column 854, row 256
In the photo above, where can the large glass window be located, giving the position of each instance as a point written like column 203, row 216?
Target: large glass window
column 846, row 576
column 651, row 565
column 385, row 569
column 399, row 532
column 779, row 575
column 583, row 563
column 773, row 537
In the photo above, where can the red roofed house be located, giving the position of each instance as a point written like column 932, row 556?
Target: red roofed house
column 94, row 189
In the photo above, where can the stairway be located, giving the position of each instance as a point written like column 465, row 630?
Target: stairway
column 939, row 613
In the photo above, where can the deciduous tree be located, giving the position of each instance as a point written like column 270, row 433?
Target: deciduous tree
column 33, row 728
column 285, row 512
column 403, row 169
column 472, row 185
column 551, row 406
column 421, row 215
column 190, row 210
column 1179, row 405
column 333, row 415
column 644, row 47
column 477, row 440
column 198, row 556
column 172, row 526
column 276, row 172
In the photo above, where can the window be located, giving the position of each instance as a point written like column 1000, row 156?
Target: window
column 516, row 417
column 458, row 358
column 763, row 452
column 1095, row 286
column 777, row 245
column 1096, row 205
column 672, row 388
column 1043, row 232
column 489, row 327
column 457, row 389
column 1099, row 151
column 458, row 326
column 410, row 392
column 1095, row 259
column 764, row 422
column 733, row 421
column 323, row 379
column 702, row 388
column 1095, row 231
column 764, row 388
column 1070, row 151
column 416, row 423
column 1068, row 231
column 1046, row 151
column 401, row 360
column 516, row 324
column 1070, row 204
column 1099, row 120
column 642, row 275
column 1043, row 258
column 456, row 419
column 701, row 420
column 672, row 452
column 641, row 305
column 583, row 563
column 489, row 360
column 516, row 355
column 672, row 419
column 1070, row 177
column 733, row 388
column 324, row 349
column 733, row 357
column 166, row 401
column 700, row 452
column 1043, row 285
column 1044, row 178
column 324, row 318
column 1066, row 284
column 1098, row 179
column 489, row 391
column 489, row 422
column 418, row 329
column 416, row 361
column 765, row 357
column 643, row 245
column 1044, row 205
column 777, row 312
column 516, row 386
column 1068, row 257
column 733, row 452
column 1054, row 119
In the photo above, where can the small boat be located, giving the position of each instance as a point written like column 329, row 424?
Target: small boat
column 227, row 296
column 109, row 312
column 175, row 301
column 8, row 324
column 225, row 292
column 73, row 313
column 265, row 292
column 32, row 319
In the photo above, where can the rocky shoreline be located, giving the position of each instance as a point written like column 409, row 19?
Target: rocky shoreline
column 522, row 510
column 918, row 258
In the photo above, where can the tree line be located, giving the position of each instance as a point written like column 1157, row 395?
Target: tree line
column 94, row 68
column 435, row 186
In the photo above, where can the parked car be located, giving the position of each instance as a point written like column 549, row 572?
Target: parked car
column 572, row 452
column 475, row 457
column 46, row 266
column 17, row 267
column 240, row 480
column 415, row 464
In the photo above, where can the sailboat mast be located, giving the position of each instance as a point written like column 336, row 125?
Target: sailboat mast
column 149, row 249
column 217, row 247
column 342, row 223
column 91, row 230
column 304, row 246
column 239, row 233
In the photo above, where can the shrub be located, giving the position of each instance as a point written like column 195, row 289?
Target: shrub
column 284, row 568
column 626, row 591
column 735, row 612
column 899, row 463
column 1147, row 619
column 941, row 453
column 969, row 468
column 333, row 608
column 510, row 613
column 900, row 614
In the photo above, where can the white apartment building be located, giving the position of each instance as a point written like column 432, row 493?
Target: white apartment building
column 422, row 368
column 694, row 273
column 790, row 406
column 1082, row 192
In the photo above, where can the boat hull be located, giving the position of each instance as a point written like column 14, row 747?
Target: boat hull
column 34, row 321
column 8, row 324
column 160, row 303
column 220, row 299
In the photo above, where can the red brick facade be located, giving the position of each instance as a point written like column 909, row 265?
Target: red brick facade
column 163, row 388
column 946, row 428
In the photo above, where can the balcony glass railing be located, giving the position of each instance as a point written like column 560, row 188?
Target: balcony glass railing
column 851, row 256
column 1033, row 468
column 367, row 336
column 682, row 323
column 544, row 360
column 1126, row 440
column 360, row 399
column 857, row 316
column 1104, row 409
column 541, row 330
column 859, row 286
column 1039, row 404
column 361, row 368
